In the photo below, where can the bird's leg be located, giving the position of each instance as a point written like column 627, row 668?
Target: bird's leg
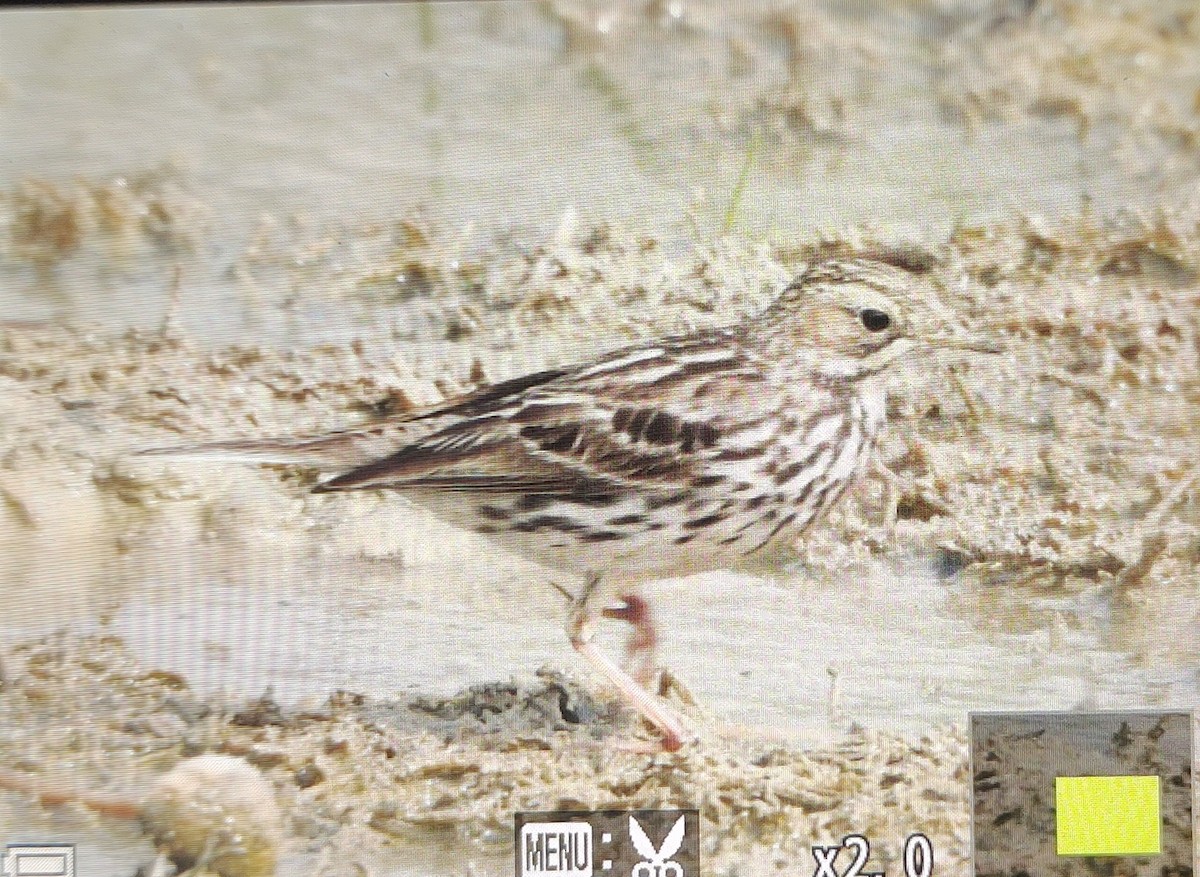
column 579, row 628
column 641, row 649
column 640, row 660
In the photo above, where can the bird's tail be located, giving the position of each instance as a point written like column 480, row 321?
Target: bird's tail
column 333, row 450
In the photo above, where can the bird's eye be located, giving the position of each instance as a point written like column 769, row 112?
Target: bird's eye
column 873, row 320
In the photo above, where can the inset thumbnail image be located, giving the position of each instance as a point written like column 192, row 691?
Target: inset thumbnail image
column 1097, row 794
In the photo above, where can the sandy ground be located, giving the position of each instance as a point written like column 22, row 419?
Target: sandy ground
column 1034, row 513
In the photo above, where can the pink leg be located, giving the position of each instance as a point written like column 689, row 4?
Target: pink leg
column 579, row 629
column 640, row 649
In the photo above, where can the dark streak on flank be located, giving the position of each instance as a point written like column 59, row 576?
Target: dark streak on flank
column 775, row 530
column 621, row 418
column 706, row 521
column 638, row 423
column 548, row 522
column 626, row 520
column 823, row 493
column 662, row 428
column 591, row 492
column 841, row 488
column 534, row 502
column 494, row 513
column 654, row 503
column 693, row 435
column 734, row 454
column 601, row 536
column 786, row 474
column 593, row 499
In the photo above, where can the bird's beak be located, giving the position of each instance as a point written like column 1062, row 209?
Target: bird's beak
column 973, row 343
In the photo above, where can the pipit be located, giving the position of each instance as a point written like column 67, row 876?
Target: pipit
column 668, row 458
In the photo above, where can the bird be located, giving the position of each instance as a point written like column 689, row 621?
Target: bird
column 670, row 457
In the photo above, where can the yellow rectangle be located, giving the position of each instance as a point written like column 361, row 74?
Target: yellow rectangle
column 1108, row 816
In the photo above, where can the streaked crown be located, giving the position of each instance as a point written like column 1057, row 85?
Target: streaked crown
column 848, row 315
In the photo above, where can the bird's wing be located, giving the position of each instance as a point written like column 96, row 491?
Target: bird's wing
column 358, row 446
column 651, row 415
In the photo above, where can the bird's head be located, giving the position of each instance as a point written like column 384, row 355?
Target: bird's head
column 856, row 317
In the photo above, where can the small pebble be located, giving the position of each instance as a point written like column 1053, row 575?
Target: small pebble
column 218, row 812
